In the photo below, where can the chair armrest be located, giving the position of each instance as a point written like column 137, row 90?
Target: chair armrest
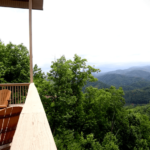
column 9, row 100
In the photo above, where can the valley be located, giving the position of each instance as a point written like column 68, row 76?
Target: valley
column 134, row 81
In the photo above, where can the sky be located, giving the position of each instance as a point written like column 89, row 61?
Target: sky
column 110, row 34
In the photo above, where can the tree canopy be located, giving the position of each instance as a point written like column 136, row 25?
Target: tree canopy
column 93, row 120
column 14, row 63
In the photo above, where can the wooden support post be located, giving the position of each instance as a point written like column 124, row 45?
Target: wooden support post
column 30, row 40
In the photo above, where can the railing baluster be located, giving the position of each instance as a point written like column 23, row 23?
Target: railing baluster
column 15, row 94
column 20, row 94
column 26, row 91
column 11, row 93
column 23, row 93
column 18, row 91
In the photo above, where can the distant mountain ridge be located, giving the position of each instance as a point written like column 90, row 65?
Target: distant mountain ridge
column 135, row 82
column 118, row 80
column 126, row 71
column 97, row 84
column 138, row 73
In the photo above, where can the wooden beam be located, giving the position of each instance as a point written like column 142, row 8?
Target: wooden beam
column 30, row 40
column 33, row 130
column 23, row 4
column 14, row 84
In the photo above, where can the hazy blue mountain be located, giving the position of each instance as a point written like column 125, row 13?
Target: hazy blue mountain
column 136, row 85
column 119, row 80
column 135, row 82
column 125, row 71
column 138, row 73
column 144, row 68
column 148, row 77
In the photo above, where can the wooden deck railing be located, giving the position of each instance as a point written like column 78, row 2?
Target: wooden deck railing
column 33, row 130
column 18, row 91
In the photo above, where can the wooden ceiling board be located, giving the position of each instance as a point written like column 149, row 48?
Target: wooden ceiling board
column 36, row 4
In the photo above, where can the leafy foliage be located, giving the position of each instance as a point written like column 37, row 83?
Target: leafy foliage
column 139, row 96
column 137, row 92
column 66, row 91
column 14, row 63
column 93, row 120
column 118, row 80
column 138, row 73
column 97, row 84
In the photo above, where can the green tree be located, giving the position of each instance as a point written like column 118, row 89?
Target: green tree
column 14, row 63
column 66, row 102
column 43, row 86
column 67, row 141
column 98, row 114
column 103, row 110
column 110, row 142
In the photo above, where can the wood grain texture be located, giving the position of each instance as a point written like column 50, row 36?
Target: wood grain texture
column 37, row 4
column 4, row 97
column 14, row 84
column 33, row 131
column 30, row 40
column 8, row 122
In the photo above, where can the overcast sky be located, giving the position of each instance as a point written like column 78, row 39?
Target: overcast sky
column 110, row 34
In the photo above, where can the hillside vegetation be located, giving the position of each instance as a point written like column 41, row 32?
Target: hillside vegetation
column 135, row 83
column 138, row 96
column 126, row 71
column 93, row 120
column 97, row 84
column 138, row 73
column 118, row 80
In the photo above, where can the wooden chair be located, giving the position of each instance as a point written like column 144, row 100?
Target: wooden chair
column 8, row 122
column 4, row 98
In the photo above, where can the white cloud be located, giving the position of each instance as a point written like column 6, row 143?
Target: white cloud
column 103, row 32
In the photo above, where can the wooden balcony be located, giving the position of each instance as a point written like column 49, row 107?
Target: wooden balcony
column 18, row 91
column 33, row 130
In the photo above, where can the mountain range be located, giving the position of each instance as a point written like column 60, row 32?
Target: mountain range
column 126, row 77
column 133, row 80
column 145, row 69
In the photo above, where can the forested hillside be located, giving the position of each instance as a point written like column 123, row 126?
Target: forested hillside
column 97, row 84
column 138, row 96
column 148, row 77
column 132, row 82
column 129, row 71
column 144, row 110
column 138, row 73
column 118, row 80
column 93, row 120
column 136, row 85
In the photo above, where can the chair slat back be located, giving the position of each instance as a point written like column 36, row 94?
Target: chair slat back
column 4, row 96
column 8, row 122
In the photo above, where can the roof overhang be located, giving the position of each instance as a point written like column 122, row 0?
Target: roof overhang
column 36, row 4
